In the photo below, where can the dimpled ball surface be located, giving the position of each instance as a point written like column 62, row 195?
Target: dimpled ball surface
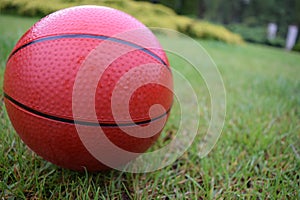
column 41, row 73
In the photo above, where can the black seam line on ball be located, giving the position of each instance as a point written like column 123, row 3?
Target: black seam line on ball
column 99, row 37
column 71, row 121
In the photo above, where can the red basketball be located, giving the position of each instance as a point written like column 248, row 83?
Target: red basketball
column 51, row 94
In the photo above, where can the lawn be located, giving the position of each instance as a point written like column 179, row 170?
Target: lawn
column 256, row 157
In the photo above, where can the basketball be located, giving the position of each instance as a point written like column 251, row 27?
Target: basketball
column 87, row 71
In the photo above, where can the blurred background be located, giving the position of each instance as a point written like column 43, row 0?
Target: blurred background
column 269, row 22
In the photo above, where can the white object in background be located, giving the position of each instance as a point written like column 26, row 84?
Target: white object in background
column 291, row 37
column 272, row 31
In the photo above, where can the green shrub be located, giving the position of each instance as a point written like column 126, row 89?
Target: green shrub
column 250, row 34
column 297, row 47
column 256, row 34
column 206, row 30
column 33, row 7
column 277, row 42
column 149, row 14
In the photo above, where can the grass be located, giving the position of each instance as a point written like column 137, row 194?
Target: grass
column 257, row 156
